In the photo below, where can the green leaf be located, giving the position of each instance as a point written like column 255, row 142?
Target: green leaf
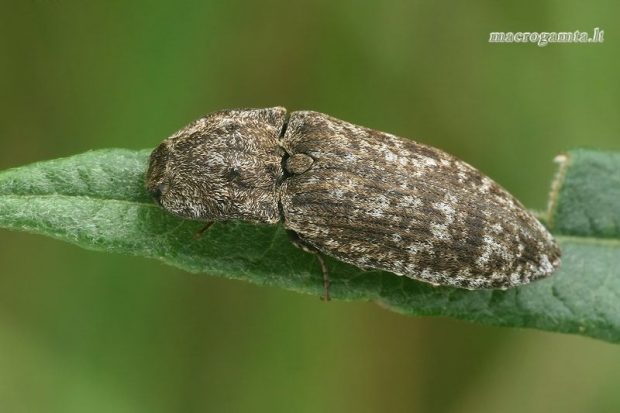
column 97, row 201
column 585, row 201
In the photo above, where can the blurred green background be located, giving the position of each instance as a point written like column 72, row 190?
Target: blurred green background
column 82, row 331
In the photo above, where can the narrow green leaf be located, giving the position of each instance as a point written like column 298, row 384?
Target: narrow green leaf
column 97, row 200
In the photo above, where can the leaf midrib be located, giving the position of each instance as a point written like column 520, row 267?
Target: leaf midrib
column 90, row 198
column 608, row 242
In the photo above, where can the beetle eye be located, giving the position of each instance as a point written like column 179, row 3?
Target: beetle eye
column 162, row 188
column 159, row 191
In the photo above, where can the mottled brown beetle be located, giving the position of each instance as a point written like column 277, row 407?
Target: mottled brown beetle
column 365, row 197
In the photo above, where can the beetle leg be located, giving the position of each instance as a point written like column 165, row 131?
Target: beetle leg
column 299, row 243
